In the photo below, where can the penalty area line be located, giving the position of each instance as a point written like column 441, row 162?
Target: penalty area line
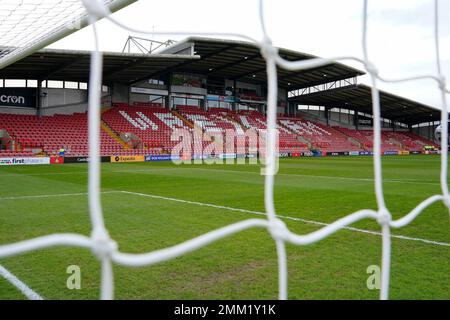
column 437, row 243
column 40, row 196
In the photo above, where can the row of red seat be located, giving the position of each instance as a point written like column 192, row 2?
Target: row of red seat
column 157, row 129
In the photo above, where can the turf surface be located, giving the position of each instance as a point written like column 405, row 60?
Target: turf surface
column 243, row 266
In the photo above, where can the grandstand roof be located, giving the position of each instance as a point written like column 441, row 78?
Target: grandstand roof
column 359, row 98
column 215, row 57
column 71, row 65
column 242, row 61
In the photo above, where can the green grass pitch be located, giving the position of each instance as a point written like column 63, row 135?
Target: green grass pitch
column 243, row 266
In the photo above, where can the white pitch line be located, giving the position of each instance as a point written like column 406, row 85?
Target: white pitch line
column 230, row 209
column 38, row 196
column 324, row 177
column 27, row 291
column 78, row 172
column 402, row 181
column 444, row 244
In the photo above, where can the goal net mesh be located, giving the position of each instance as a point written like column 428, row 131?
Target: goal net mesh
column 29, row 24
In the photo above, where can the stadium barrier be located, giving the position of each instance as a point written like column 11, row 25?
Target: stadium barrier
column 127, row 159
column 167, row 157
column 84, row 159
column 162, row 157
column 24, row 161
column 56, row 160
column 340, row 153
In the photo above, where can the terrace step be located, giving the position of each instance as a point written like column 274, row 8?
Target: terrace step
column 113, row 134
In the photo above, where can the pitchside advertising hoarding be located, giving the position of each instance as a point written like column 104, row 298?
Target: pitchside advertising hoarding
column 127, row 158
column 84, row 159
column 23, row 161
column 18, row 97
column 162, row 157
column 167, row 157
column 335, row 154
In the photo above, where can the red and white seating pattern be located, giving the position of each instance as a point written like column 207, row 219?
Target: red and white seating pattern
column 321, row 137
column 210, row 122
column 153, row 125
column 55, row 132
column 418, row 142
column 390, row 141
column 228, row 134
column 288, row 141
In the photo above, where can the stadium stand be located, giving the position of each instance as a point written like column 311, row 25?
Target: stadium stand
column 319, row 136
column 390, row 141
column 153, row 126
column 52, row 133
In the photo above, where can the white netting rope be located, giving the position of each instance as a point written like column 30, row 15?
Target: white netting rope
column 106, row 250
column 28, row 25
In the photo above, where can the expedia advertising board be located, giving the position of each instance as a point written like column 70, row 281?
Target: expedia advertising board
column 127, row 159
column 18, row 97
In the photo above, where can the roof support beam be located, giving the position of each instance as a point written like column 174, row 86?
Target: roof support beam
column 248, row 74
column 294, row 73
column 316, row 83
column 235, row 63
column 60, row 68
column 128, row 65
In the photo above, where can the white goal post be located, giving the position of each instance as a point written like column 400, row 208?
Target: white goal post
column 106, row 250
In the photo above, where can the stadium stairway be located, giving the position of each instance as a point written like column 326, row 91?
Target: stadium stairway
column 350, row 137
column 182, row 118
column 152, row 125
column 113, row 134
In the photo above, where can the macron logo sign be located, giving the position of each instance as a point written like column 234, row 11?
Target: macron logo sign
column 18, row 97
column 12, row 99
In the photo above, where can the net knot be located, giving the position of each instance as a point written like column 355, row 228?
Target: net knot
column 278, row 230
column 384, row 217
column 442, row 82
column 96, row 8
column 371, row 68
column 447, row 202
column 103, row 246
column 267, row 49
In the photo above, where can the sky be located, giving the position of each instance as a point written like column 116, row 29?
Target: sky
column 400, row 32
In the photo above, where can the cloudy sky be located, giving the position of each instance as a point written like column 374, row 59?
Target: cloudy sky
column 400, row 32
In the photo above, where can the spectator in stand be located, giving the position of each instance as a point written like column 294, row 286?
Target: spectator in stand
column 62, row 152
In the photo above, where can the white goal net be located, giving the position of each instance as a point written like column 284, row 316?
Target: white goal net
column 30, row 25
column 24, row 14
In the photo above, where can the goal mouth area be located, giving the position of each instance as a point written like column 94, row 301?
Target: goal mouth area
column 106, row 249
column 49, row 22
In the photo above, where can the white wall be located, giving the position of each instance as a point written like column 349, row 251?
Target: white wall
column 58, row 97
column 63, row 101
column 55, row 101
